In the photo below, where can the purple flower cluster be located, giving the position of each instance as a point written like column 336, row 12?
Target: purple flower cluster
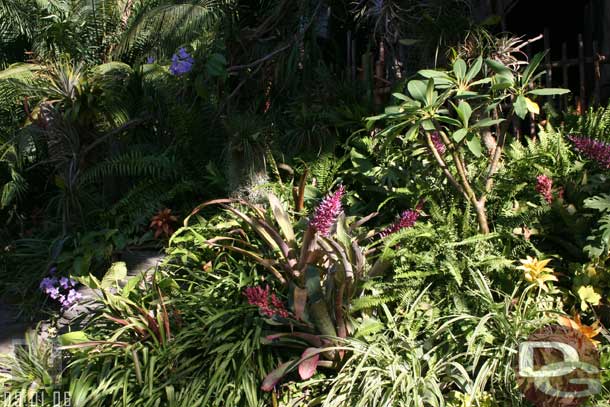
column 544, row 186
column 269, row 305
column 150, row 60
column 182, row 63
column 438, row 143
column 594, row 149
column 61, row 289
column 326, row 213
column 407, row 219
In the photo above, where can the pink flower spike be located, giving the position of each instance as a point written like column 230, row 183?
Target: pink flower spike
column 327, row 212
column 407, row 220
column 438, row 143
column 543, row 186
column 595, row 150
column 260, row 297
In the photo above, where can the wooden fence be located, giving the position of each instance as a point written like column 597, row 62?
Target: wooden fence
column 588, row 91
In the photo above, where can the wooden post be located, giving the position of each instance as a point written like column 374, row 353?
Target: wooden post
column 581, row 71
column 564, row 73
column 596, row 74
column 349, row 54
column 547, row 58
column 353, row 48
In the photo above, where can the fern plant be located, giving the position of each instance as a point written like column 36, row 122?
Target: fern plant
column 599, row 239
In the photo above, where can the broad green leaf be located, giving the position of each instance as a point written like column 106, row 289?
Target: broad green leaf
column 499, row 67
column 417, row 89
column 486, row 122
column 600, row 202
column 459, row 69
column 548, row 91
column 449, row 120
column 131, row 284
column 393, row 110
column 430, row 94
column 428, row 125
column 89, row 281
column 431, row 73
column 531, row 68
column 459, row 135
column 520, row 106
column 474, row 69
column 116, row 273
column 481, row 81
column 412, row 133
column 73, row 338
column 401, row 96
column 474, row 145
column 464, row 111
column 282, row 218
column 532, row 106
column 312, row 284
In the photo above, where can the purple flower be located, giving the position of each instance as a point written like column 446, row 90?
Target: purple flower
column 61, row 289
column 53, row 292
column 150, row 60
column 544, row 185
column 48, row 283
column 438, row 143
column 70, row 299
column 182, row 63
column 595, row 150
column 407, row 219
column 326, row 213
column 64, row 282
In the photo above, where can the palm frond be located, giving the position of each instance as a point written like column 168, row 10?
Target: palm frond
column 171, row 25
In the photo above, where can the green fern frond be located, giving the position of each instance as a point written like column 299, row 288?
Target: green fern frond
column 131, row 164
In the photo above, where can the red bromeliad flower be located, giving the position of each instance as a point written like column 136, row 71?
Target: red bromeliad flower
column 544, row 185
column 595, row 150
column 268, row 305
column 162, row 223
column 326, row 213
column 407, row 219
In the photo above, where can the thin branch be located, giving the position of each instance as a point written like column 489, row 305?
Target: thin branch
column 443, row 165
column 114, row 132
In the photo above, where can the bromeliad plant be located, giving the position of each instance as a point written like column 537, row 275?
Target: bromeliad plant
column 308, row 263
column 319, row 263
column 463, row 116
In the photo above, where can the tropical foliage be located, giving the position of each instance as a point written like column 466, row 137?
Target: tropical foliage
column 358, row 203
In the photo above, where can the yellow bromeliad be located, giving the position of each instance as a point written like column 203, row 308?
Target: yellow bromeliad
column 536, row 271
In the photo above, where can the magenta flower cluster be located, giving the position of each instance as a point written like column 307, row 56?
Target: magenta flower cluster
column 595, row 150
column 438, row 143
column 267, row 302
column 407, row 219
column 544, row 186
column 182, row 62
column 327, row 212
column 61, row 289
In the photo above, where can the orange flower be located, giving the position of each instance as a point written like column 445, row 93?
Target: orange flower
column 588, row 331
